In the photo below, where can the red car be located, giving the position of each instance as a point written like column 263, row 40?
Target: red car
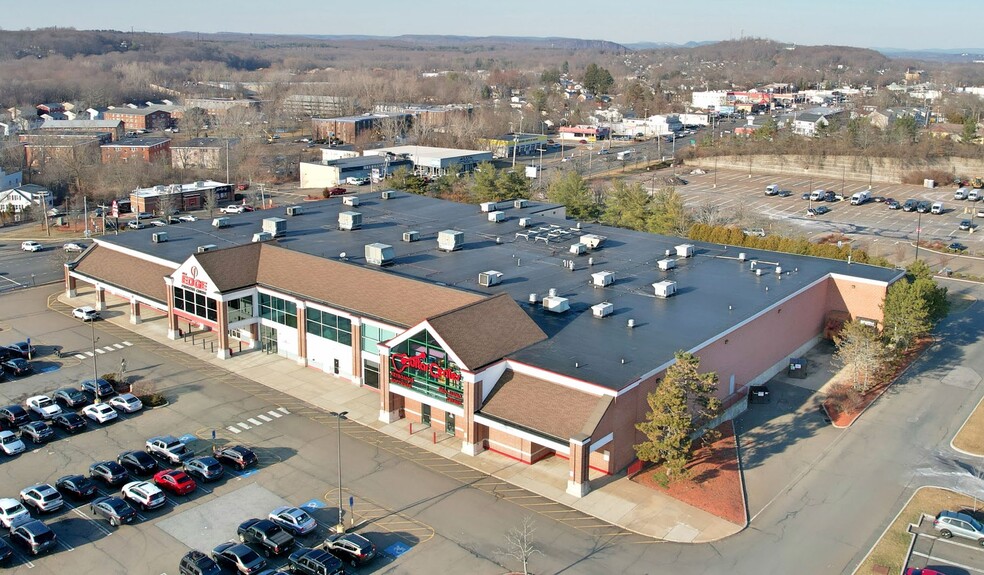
column 336, row 191
column 914, row 571
column 175, row 481
column 243, row 186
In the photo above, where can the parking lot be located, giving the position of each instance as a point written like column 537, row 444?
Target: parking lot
column 953, row 556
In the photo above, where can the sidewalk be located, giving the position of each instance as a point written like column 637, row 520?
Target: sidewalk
column 614, row 500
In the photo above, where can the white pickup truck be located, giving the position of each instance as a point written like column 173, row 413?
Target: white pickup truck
column 168, row 447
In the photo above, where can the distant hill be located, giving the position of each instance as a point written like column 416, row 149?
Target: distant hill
column 661, row 45
column 444, row 40
column 936, row 54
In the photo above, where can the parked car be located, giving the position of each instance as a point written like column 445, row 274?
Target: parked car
column 70, row 397
column 38, row 431
column 69, row 421
column 294, row 520
column 336, row 191
column 31, row 246
column 265, row 535
column 6, row 551
column 351, row 548
column 892, row 204
column 109, row 472
column 78, row 486
column 910, row 205
column 238, row 557
column 144, row 215
column 145, row 494
column 176, row 481
column 923, row 207
column 98, row 387
column 127, row 403
column 42, row 497
column 917, row 571
column 137, row 462
column 168, row 447
column 23, row 349
column 187, row 218
column 85, row 313
column 195, row 562
column 100, row 413
column 114, row 509
column 13, row 416
column 966, row 225
column 34, row 536
column 44, row 406
column 204, row 468
column 13, row 513
column 73, row 247
column 315, row 562
column 949, row 523
column 784, row 193
column 17, row 366
column 237, row 456
column 236, row 209
column 10, row 443
column 137, row 225
column 956, row 247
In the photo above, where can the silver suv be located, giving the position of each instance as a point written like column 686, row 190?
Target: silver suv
column 949, row 523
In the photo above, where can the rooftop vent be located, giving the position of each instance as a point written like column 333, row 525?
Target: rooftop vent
column 206, row 248
column 411, row 236
column 350, row 200
column 220, row 223
column 294, row 210
column 488, row 206
column 379, row 254
column 277, row 227
column 519, row 204
column 497, row 216
column 489, row 278
column 592, row 240
column 579, row 249
column 742, row 256
column 556, row 304
column 158, row 237
column 666, row 264
column 778, row 270
column 602, row 309
column 665, row 289
column 602, row 279
column 525, row 222
column 532, row 298
column 685, row 250
column 262, row 237
column 349, row 221
column 450, row 240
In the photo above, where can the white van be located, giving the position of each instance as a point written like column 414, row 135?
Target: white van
column 974, row 195
column 817, row 195
column 860, row 198
column 961, row 194
column 772, row 189
column 937, row 208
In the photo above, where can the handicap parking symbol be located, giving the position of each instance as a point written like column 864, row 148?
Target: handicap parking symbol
column 314, row 504
column 188, row 438
column 396, row 549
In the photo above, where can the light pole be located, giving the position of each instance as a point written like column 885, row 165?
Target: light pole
column 340, row 528
column 95, row 369
column 918, row 231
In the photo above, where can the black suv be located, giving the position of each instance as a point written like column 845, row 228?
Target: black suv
column 237, row 456
column 269, row 537
column 197, row 563
column 137, row 462
column 351, row 548
column 13, row 416
column 315, row 562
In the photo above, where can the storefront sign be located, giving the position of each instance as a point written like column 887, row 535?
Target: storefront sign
column 191, row 280
column 428, row 377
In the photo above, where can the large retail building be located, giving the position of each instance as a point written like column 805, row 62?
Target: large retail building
column 506, row 325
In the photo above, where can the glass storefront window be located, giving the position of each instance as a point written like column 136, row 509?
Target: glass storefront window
column 240, row 309
column 370, row 373
column 371, row 335
column 329, row 326
column 278, row 310
column 195, row 303
column 422, row 365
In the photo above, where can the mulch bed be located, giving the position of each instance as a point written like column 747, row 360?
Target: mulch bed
column 844, row 405
column 714, row 483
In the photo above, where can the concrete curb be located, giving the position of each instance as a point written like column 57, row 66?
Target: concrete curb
column 959, row 429
column 741, row 477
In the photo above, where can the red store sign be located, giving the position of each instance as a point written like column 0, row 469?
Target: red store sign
column 403, row 367
column 192, row 280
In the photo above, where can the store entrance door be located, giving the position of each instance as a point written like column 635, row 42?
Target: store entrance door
column 449, row 423
column 425, row 414
column 268, row 339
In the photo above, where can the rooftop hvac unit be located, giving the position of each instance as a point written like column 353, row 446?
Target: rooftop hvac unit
column 685, row 250
column 277, row 227
column 350, row 200
column 602, row 309
column 579, row 249
column 220, row 223
column 665, row 289
column 742, row 256
column 450, row 240
column 489, row 278
column 525, row 222
column 386, row 195
column 200, row 184
column 206, row 248
column 488, row 206
column 497, row 216
column 778, row 270
column 592, row 240
column 666, row 264
column 379, row 254
column 411, row 236
column 295, row 210
column 556, row 304
column 262, row 237
column 519, row 204
column 602, row 279
column 158, row 237
column 349, row 221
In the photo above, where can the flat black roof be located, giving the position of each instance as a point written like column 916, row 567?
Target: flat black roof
column 715, row 291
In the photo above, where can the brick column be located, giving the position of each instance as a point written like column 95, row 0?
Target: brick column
column 134, row 311
column 302, row 334
column 577, row 480
column 390, row 404
column 172, row 320
column 100, row 298
column 222, row 319
column 71, row 289
column 472, row 393
column 357, row 350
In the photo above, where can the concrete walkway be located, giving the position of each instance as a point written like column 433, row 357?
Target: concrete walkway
column 616, row 500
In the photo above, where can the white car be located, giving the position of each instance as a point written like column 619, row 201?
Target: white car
column 126, row 402
column 44, row 406
column 144, row 493
column 13, row 513
column 31, row 246
column 73, row 247
column 85, row 313
column 10, row 443
column 100, row 412
column 42, row 497
column 187, row 218
column 235, row 209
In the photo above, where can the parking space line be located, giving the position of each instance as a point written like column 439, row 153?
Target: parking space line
column 264, row 418
column 930, row 557
column 233, row 429
column 255, row 421
column 106, row 531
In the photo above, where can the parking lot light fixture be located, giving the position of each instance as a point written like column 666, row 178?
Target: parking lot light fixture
column 95, row 370
column 339, row 415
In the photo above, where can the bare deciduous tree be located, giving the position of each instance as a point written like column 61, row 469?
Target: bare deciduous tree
column 520, row 545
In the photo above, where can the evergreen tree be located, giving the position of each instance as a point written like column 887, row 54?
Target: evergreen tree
column 572, row 191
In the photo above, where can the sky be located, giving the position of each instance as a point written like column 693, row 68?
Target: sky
column 905, row 24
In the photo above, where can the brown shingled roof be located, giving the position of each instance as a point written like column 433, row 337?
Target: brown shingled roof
column 125, row 271
column 231, row 268
column 545, row 408
column 487, row 330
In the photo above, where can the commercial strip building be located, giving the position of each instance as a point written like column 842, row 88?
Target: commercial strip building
column 507, row 145
column 429, row 161
column 506, row 325
column 586, row 133
column 334, row 172
column 181, row 197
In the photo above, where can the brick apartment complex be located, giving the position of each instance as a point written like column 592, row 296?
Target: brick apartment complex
column 142, row 149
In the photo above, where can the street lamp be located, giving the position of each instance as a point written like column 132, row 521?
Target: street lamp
column 340, row 528
column 95, row 369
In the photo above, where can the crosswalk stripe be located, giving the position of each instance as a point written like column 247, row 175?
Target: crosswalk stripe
column 275, row 413
column 79, row 356
column 283, row 410
column 233, row 429
column 126, row 343
column 89, row 354
column 118, row 345
column 254, row 421
column 100, row 351
column 264, row 418
column 109, row 348
column 243, row 425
